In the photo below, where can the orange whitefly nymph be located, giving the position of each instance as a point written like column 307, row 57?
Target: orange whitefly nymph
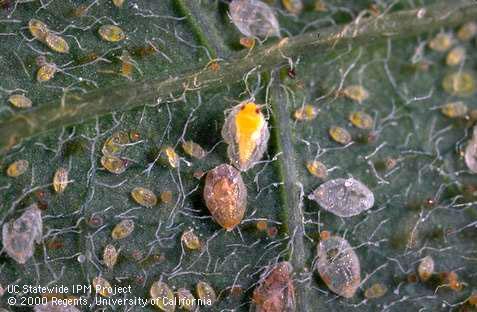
column 246, row 132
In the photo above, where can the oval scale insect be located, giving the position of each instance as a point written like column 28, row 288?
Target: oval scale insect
column 340, row 135
column 57, row 43
column 170, row 157
column 193, row 149
column 356, row 93
column 144, row 197
column 17, row 168
column 461, row 83
column 46, row 72
column 361, row 120
column 101, row 286
column 60, row 180
column 191, row 240
column 126, row 64
column 377, row 290
column 455, row 56
column 246, row 132
column 441, row 42
column 306, row 113
column 225, row 196
column 317, row 168
column 454, row 109
column 206, row 292
column 20, row 101
column 185, row 299
column 115, row 144
column 163, row 295
column 110, row 256
column 114, row 164
column 254, row 18
column 339, row 266
column 426, row 268
column 166, row 197
column 275, row 291
column 38, row 29
column 123, row 229
column 467, row 31
column 111, row 33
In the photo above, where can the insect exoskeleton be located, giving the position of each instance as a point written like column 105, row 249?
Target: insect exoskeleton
column 339, row 266
column 254, row 18
column 246, row 132
column 343, row 197
column 225, row 196
column 19, row 235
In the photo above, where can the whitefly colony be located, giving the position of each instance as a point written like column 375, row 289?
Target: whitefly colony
column 246, row 132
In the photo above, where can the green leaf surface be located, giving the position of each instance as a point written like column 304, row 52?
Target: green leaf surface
column 424, row 205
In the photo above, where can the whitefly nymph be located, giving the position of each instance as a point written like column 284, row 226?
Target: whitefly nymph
column 343, row 197
column 246, row 132
column 225, row 195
